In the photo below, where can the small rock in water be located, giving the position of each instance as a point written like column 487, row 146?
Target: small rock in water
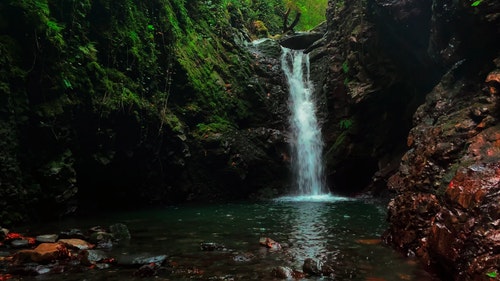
column 269, row 243
column 73, row 233
column 78, row 244
column 147, row 270
column 47, row 238
column 283, row 272
column 89, row 257
column 243, row 257
column 20, row 243
column 211, row 246
column 120, row 232
column 312, row 266
column 140, row 259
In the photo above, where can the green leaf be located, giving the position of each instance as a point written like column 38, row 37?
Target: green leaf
column 151, row 27
column 476, row 3
column 492, row 274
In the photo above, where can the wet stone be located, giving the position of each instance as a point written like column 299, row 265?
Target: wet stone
column 211, row 246
column 92, row 256
column 311, row 266
column 78, row 244
column 283, row 272
column 120, row 232
column 140, row 259
column 20, row 243
column 47, row 238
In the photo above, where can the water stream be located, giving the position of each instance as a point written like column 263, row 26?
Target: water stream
column 307, row 144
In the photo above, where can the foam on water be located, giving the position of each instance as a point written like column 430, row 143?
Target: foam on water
column 312, row 198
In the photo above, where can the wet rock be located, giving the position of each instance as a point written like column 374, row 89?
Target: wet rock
column 211, row 246
column 140, row 259
column 312, row 267
column 89, row 257
column 120, row 232
column 47, row 238
column 43, row 253
column 72, row 233
column 240, row 258
column 301, row 40
column 269, row 243
column 102, row 239
column 147, row 270
column 78, row 244
column 283, row 272
column 20, row 243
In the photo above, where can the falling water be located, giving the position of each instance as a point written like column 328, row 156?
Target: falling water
column 307, row 144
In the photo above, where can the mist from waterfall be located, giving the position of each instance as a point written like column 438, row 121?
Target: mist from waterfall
column 307, row 143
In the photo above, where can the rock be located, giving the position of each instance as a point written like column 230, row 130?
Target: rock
column 73, row 233
column 102, row 239
column 47, row 238
column 43, row 253
column 301, row 40
column 269, row 243
column 78, row 244
column 312, row 267
column 140, row 259
column 20, row 243
column 211, row 246
column 89, row 257
column 283, row 272
column 147, row 270
column 120, row 232
column 247, row 257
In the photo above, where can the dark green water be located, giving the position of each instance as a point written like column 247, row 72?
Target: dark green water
column 339, row 233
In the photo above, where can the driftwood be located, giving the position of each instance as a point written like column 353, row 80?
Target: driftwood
column 290, row 27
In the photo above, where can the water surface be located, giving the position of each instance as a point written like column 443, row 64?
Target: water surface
column 341, row 233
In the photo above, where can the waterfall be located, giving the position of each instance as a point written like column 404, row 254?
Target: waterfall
column 307, row 143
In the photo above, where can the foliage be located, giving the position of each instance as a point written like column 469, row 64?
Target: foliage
column 492, row 274
column 312, row 12
column 345, row 67
column 476, row 3
column 95, row 78
column 345, row 124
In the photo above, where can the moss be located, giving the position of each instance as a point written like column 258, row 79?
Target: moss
column 260, row 29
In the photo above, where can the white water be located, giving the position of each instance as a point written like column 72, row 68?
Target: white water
column 307, row 143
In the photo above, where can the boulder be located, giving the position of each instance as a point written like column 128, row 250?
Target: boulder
column 301, row 40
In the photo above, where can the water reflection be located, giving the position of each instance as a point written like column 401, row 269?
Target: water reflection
column 309, row 230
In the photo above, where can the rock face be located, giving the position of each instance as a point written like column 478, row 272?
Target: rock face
column 447, row 210
column 411, row 102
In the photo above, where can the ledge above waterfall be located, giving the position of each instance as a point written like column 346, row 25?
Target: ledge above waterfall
column 300, row 40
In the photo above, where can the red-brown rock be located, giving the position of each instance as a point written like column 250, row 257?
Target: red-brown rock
column 43, row 253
